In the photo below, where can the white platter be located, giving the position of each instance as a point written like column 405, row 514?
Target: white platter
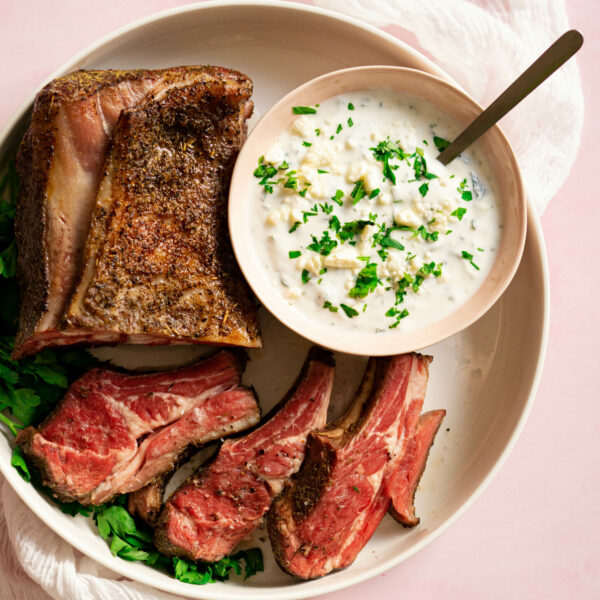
column 486, row 377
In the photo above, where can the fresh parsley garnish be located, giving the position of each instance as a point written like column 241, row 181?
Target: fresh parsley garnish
column 387, row 241
column 309, row 213
column 468, row 256
column 428, row 236
column 324, row 246
column 337, row 197
column 265, row 172
column 303, row 110
column 351, row 228
column 350, row 312
column 330, row 306
column 305, row 276
column 464, row 193
column 459, row 213
column 384, row 152
column 359, row 192
column 350, row 122
column 440, row 143
column 294, row 227
column 292, row 181
column 294, row 253
column 350, row 106
column 366, row 281
column 307, row 144
column 398, row 314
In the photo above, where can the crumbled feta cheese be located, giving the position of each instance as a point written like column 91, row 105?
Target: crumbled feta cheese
column 317, row 190
column 406, row 217
column 275, row 154
column 448, row 204
column 302, row 127
column 343, row 258
column 292, row 293
column 295, row 216
column 322, row 156
column 356, row 170
column 418, row 207
column 312, row 262
column 351, row 144
column 279, row 214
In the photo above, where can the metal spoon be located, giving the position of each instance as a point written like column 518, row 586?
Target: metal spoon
column 562, row 49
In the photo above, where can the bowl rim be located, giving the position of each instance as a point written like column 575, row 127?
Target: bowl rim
column 365, row 343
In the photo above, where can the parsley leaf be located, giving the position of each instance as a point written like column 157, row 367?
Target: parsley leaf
column 337, row 197
column 440, row 143
column 18, row 462
column 427, row 235
column 303, row 110
column 397, row 314
column 309, row 213
column 468, row 256
column 383, row 152
column 350, row 312
column 330, row 306
column 359, row 192
column 459, row 213
column 351, row 228
column 324, row 246
column 305, row 276
column 366, row 281
column 387, row 241
column 294, row 253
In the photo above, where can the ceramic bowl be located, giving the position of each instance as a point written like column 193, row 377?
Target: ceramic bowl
column 450, row 100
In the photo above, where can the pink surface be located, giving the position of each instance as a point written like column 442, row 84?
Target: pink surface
column 535, row 531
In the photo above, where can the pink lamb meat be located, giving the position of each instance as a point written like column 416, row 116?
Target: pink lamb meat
column 221, row 504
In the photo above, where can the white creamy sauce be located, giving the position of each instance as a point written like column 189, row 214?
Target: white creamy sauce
column 358, row 224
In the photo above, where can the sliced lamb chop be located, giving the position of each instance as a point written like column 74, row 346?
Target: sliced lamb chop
column 158, row 264
column 222, row 503
column 403, row 481
column 332, row 506
column 61, row 162
column 88, row 448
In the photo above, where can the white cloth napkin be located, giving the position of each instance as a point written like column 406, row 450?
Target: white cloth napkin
column 484, row 48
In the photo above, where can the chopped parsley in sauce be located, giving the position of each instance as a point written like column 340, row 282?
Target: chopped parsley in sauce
column 369, row 217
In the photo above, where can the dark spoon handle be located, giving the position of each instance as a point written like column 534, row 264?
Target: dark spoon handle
column 562, row 49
